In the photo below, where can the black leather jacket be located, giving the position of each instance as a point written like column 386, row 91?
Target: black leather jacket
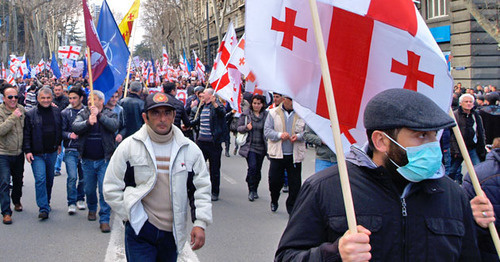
column 33, row 134
column 109, row 124
column 431, row 221
column 180, row 112
column 68, row 117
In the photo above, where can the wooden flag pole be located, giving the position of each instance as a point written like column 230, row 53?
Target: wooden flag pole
column 334, row 121
column 91, row 82
column 473, row 177
column 131, row 41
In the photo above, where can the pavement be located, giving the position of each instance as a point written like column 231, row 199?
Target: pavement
column 241, row 231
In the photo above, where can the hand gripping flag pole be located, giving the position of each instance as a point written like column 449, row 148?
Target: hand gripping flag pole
column 91, row 81
column 473, row 178
column 334, row 121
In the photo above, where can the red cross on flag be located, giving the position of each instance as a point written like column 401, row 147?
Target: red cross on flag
column 370, row 48
column 165, row 57
column 4, row 72
column 219, row 72
column 199, row 68
column 69, row 52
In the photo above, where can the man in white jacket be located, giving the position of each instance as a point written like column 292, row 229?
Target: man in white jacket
column 152, row 178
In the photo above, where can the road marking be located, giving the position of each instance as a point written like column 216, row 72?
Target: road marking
column 230, row 180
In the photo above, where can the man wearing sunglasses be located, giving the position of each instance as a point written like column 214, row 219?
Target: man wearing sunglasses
column 11, row 155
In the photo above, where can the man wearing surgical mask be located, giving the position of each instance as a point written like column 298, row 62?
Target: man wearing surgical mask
column 406, row 209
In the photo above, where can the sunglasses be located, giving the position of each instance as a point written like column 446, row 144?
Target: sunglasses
column 10, row 97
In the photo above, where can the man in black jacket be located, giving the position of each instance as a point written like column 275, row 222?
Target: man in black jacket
column 406, row 208
column 96, row 126
column 170, row 89
column 41, row 144
column 133, row 106
column 212, row 122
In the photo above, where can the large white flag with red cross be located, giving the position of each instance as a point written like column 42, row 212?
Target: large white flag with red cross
column 69, row 52
column 372, row 45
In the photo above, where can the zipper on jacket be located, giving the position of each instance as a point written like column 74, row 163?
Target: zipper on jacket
column 404, row 214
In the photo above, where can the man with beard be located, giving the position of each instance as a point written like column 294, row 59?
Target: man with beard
column 406, row 208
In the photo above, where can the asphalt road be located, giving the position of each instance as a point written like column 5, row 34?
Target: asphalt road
column 241, row 231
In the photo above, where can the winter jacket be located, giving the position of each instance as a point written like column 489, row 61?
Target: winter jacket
column 33, row 134
column 61, row 102
column 431, row 221
column 133, row 107
column 68, row 117
column 11, row 131
column 180, row 112
column 217, row 121
column 132, row 174
column 242, row 128
column 488, row 174
column 462, row 118
column 108, row 125
column 275, row 125
column 491, row 121
column 323, row 152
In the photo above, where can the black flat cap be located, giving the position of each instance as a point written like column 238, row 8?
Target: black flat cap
column 396, row 108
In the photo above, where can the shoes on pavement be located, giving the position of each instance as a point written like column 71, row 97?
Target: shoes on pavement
column 274, row 206
column 80, row 205
column 105, row 228
column 92, row 216
column 255, row 195
column 285, row 189
column 251, row 197
column 18, row 207
column 214, row 197
column 235, row 152
column 43, row 215
column 7, row 219
column 71, row 209
column 57, row 173
column 227, row 153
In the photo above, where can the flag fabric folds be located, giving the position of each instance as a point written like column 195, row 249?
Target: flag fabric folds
column 97, row 56
column 370, row 48
column 54, row 66
column 116, row 52
column 69, row 52
column 128, row 21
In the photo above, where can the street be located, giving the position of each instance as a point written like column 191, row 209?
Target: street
column 241, row 231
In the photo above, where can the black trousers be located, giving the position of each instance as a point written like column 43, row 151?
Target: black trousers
column 212, row 152
column 277, row 169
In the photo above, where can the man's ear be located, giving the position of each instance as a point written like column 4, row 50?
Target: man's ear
column 380, row 141
column 145, row 117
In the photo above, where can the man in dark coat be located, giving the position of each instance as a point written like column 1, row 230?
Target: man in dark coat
column 133, row 106
column 406, row 208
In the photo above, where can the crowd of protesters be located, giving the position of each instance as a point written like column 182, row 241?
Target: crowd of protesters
column 47, row 121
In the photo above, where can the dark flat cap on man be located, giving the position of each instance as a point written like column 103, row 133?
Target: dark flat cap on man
column 157, row 100
column 396, row 108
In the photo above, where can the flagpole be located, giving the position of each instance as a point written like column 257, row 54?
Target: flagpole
column 131, row 41
column 473, row 177
column 91, row 82
column 334, row 121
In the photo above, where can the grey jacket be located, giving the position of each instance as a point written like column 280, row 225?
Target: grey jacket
column 323, row 152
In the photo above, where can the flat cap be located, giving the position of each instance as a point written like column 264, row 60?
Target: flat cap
column 396, row 108
column 198, row 89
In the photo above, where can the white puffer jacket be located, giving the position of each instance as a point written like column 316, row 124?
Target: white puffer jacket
column 185, row 157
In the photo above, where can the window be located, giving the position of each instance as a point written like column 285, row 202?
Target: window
column 436, row 8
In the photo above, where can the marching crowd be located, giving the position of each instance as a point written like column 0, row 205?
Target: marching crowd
column 144, row 157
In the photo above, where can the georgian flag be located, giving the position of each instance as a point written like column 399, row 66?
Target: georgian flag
column 219, row 78
column 199, row 68
column 4, row 72
column 40, row 66
column 372, row 45
column 165, row 57
column 69, row 52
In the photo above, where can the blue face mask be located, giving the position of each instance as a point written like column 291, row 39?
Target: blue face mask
column 424, row 161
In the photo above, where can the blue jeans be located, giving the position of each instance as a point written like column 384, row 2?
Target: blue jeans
column 151, row 244
column 43, row 171
column 59, row 160
column 456, row 165
column 93, row 173
column 447, row 161
column 74, row 170
column 11, row 166
column 254, row 174
column 322, row 164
